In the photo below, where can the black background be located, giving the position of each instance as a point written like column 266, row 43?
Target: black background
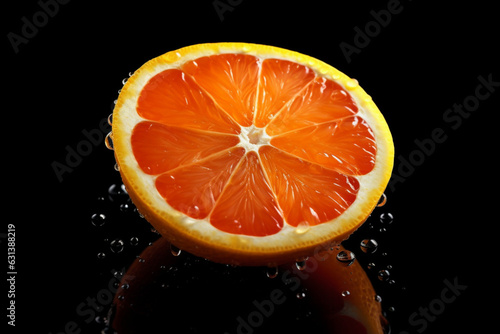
column 428, row 58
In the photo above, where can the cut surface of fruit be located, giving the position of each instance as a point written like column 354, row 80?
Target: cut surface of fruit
column 250, row 154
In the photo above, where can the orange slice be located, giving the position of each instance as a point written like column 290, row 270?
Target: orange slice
column 250, row 154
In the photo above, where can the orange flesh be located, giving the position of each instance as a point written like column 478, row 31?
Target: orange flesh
column 305, row 174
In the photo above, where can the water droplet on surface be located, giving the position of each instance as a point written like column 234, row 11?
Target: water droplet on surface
column 124, row 207
column 98, row 219
column 117, row 193
column 116, row 246
column 174, row 250
column 346, row 257
column 369, row 246
column 272, row 272
column 371, row 265
column 134, row 241
column 117, row 167
column 101, row 255
column 301, row 263
column 383, row 275
column 382, row 201
column 108, row 141
column 352, row 83
column 125, row 286
column 378, row 299
column 302, row 228
column 121, row 297
column 345, row 293
column 300, row 295
column 386, row 218
column 110, row 119
column 118, row 274
column 124, row 81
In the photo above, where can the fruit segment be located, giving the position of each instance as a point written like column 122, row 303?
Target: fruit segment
column 322, row 101
column 231, row 80
column 280, row 80
column 347, row 146
column 195, row 188
column 159, row 148
column 173, row 98
column 247, row 205
column 306, row 192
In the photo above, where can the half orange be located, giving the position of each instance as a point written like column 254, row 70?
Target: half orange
column 250, row 154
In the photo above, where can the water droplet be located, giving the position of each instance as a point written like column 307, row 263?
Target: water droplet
column 378, row 299
column 371, row 265
column 346, row 257
column 110, row 119
column 386, row 218
column 193, row 211
column 369, row 246
column 117, row 193
column 117, row 167
column 134, row 241
column 383, row 275
column 352, row 83
column 108, row 141
column 174, row 250
column 300, row 295
column 345, row 293
column 141, row 260
column 382, row 201
column 124, row 207
column 125, row 286
column 98, row 219
column 301, row 263
column 118, row 274
column 116, row 246
column 121, row 297
column 391, row 309
column 302, row 228
column 124, row 81
column 272, row 272
column 101, row 255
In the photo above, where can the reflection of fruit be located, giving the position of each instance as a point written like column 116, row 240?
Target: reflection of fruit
column 187, row 294
column 249, row 154
column 343, row 295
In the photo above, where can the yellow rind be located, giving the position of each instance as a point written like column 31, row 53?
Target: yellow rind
column 206, row 241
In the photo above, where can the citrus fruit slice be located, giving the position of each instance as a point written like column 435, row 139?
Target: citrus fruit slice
column 249, row 154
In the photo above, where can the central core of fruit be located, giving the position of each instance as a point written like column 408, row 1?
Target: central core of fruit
column 252, row 137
